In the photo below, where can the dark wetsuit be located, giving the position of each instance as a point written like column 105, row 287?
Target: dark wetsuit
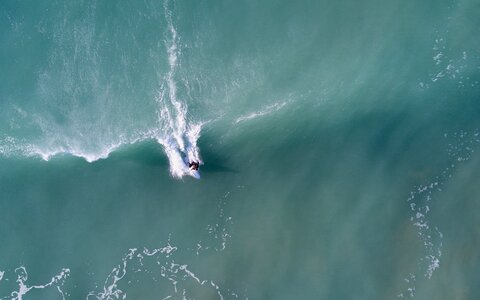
column 193, row 165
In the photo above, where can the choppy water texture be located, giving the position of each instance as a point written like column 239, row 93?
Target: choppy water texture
column 339, row 144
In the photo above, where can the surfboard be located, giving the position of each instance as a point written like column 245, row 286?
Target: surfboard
column 194, row 173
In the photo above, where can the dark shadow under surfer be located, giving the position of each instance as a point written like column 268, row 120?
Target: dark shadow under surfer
column 194, row 165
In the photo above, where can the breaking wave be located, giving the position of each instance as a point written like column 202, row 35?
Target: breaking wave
column 87, row 119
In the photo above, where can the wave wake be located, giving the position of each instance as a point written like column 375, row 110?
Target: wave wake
column 179, row 136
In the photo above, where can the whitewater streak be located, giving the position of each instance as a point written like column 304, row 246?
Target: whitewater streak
column 179, row 137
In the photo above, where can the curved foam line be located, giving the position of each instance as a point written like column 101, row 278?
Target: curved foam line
column 267, row 110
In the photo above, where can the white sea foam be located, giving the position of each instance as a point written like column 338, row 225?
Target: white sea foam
column 452, row 66
column 420, row 200
column 110, row 288
column 264, row 111
column 56, row 281
column 219, row 231
column 162, row 266
column 74, row 111
column 10, row 146
column 161, row 262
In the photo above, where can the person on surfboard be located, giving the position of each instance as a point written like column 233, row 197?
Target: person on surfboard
column 193, row 165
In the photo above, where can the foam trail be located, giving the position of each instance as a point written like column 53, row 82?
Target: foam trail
column 179, row 137
column 193, row 134
column 180, row 109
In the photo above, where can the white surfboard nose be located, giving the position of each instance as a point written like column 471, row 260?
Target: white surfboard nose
column 195, row 174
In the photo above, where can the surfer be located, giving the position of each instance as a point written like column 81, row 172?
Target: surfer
column 193, row 165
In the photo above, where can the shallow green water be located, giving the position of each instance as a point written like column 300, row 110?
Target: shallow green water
column 339, row 145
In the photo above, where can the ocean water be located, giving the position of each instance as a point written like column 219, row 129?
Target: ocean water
column 339, row 143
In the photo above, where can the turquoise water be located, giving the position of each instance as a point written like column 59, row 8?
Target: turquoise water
column 339, row 145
